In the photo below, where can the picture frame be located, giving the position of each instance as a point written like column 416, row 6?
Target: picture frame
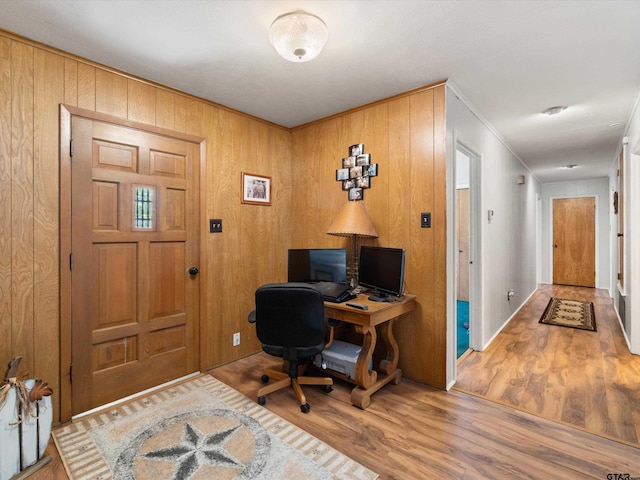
column 356, row 194
column 371, row 170
column 256, row 189
column 363, row 159
column 348, row 184
column 362, row 182
column 355, row 172
column 348, row 162
column 342, row 174
column 357, row 149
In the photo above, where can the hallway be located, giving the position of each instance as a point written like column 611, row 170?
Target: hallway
column 585, row 379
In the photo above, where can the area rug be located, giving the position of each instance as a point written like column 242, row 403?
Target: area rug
column 199, row 429
column 570, row 313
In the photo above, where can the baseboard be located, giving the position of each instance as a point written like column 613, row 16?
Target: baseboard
column 135, row 395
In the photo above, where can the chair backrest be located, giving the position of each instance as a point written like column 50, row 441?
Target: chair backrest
column 290, row 315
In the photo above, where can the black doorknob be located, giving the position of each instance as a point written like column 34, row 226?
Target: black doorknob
column 193, row 271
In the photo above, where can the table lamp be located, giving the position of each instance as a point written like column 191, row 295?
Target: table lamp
column 353, row 221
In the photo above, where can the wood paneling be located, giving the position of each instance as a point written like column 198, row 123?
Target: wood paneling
column 141, row 102
column 48, row 93
column 6, row 90
column 405, row 137
column 22, row 276
column 34, row 81
column 111, row 93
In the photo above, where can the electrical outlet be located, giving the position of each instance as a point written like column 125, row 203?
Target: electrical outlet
column 236, row 339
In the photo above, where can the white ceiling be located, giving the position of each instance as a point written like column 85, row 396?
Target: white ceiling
column 510, row 59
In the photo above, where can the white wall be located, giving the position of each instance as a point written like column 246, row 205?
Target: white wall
column 507, row 245
column 632, row 229
column 598, row 188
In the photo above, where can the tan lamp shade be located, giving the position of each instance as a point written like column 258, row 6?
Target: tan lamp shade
column 353, row 219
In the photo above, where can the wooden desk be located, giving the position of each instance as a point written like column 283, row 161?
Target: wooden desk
column 365, row 321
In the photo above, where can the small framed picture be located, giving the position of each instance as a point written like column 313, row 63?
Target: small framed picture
column 362, row 182
column 371, row 170
column 348, row 162
column 355, row 172
column 356, row 194
column 357, row 149
column 363, row 159
column 256, row 189
column 348, row 184
column 342, row 174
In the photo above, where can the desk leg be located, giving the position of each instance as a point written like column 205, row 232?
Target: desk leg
column 369, row 383
column 365, row 377
column 389, row 364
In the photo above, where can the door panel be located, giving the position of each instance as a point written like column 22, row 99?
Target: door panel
column 574, row 242
column 462, row 237
column 135, row 233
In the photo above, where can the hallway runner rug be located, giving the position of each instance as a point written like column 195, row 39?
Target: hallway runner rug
column 198, row 429
column 570, row 313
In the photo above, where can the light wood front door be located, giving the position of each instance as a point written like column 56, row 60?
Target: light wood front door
column 574, row 241
column 134, row 238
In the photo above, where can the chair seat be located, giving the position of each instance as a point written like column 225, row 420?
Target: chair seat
column 293, row 353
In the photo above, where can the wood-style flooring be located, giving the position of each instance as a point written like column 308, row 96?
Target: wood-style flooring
column 581, row 378
column 411, row 431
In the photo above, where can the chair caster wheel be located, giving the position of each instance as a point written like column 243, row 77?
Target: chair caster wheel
column 264, row 378
column 262, row 400
column 305, row 408
column 328, row 388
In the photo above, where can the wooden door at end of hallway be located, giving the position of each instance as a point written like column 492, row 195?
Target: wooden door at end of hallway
column 574, row 241
column 134, row 236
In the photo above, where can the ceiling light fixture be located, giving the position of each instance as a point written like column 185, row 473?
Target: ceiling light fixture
column 554, row 110
column 571, row 165
column 298, row 36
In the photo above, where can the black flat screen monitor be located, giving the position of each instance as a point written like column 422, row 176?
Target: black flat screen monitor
column 318, row 265
column 382, row 270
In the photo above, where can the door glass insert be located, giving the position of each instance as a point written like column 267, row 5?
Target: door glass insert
column 143, row 207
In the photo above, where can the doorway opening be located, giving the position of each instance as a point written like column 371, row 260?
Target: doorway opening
column 463, row 257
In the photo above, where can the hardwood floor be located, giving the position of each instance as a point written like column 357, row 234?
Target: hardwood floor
column 411, row 431
column 581, row 378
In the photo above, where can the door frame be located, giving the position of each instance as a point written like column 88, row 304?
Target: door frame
column 596, row 198
column 475, row 254
column 66, row 114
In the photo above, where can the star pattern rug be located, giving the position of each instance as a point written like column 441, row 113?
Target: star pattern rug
column 199, row 429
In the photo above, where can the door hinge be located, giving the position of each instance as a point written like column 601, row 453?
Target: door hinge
column 70, row 373
column 71, row 261
column 71, row 148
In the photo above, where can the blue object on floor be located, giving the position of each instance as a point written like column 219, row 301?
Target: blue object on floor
column 462, row 313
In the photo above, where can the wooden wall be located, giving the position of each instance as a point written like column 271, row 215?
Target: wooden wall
column 405, row 136
column 34, row 81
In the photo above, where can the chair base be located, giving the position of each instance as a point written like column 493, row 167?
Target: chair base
column 282, row 380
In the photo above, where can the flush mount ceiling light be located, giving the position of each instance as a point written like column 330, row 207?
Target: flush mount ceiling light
column 571, row 165
column 554, row 110
column 298, row 36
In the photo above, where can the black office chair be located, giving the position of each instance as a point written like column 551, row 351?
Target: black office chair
column 290, row 323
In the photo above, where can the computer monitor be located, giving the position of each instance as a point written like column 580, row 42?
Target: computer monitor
column 318, row 265
column 382, row 270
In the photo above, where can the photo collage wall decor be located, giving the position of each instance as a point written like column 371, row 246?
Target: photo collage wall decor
column 356, row 172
